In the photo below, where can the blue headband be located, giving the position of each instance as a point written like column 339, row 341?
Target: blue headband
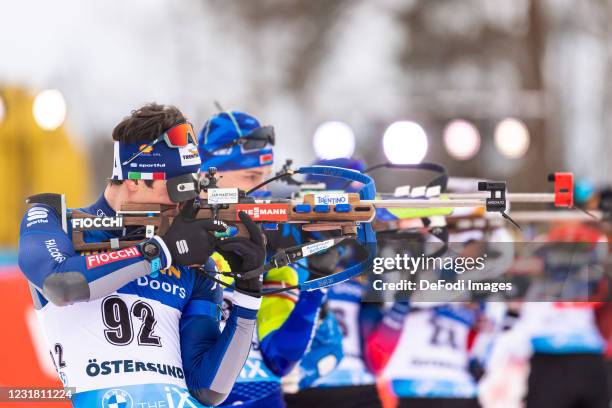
column 225, row 128
column 158, row 162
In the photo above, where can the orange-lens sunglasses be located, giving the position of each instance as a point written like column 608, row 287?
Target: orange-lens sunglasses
column 178, row 136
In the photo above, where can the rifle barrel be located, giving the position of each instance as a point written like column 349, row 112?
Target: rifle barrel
column 516, row 197
column 425, row 203
column 459, row 200
column 551, row 216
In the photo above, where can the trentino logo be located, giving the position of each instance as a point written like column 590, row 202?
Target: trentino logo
column 189, row 155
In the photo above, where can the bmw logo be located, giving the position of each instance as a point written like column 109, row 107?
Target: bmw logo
column 117, row 398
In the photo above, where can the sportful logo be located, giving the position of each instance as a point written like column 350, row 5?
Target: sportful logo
column 148, row 165
column 97, row 223
column 37, row 215
column 182, row 246
column 266, row 212
column 94, row 261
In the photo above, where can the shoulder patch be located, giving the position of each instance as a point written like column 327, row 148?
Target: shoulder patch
column 37, row 215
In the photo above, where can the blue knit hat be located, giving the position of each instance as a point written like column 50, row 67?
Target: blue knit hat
column 221, row 130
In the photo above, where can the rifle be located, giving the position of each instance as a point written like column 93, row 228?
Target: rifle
column 203, row 199
column 349, row 214
column 324, row 211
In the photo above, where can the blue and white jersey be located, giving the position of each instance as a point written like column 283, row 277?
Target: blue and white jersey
column 344, row 301
column 561, row 328
column 431, row 358
column 125, row 339
column 136, row 346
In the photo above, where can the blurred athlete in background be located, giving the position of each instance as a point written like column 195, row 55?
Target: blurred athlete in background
column 333, row 372
column 560, row 339
column 241, row 149
column 423, row 351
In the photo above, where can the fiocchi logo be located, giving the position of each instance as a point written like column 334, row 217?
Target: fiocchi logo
column 97, row 223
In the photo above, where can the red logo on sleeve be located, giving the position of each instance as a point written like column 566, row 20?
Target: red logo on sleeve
column 93, row 261
column 264, row 212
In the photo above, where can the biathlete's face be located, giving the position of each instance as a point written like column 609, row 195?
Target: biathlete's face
column 140, row 193
column 244, row 179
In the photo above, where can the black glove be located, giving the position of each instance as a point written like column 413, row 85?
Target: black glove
column 244, row 255
column 191, row 241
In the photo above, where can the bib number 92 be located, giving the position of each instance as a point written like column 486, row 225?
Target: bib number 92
column 119, row 321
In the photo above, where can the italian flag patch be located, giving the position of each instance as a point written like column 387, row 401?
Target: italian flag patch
column 136, row 175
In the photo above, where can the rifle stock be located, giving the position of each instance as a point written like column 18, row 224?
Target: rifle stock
column 155, row 218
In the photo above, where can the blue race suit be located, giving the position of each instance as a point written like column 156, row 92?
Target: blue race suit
column 285, row 325
column 123, row 338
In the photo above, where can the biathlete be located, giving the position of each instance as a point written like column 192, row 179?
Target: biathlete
column 137, row 326
column 241, row 149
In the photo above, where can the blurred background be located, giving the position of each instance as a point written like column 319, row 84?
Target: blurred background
column 499, row 89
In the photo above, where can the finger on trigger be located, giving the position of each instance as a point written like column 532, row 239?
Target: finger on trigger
column 188, row 210
column 254, row 231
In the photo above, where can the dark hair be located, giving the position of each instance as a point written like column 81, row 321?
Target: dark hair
column 146, row 124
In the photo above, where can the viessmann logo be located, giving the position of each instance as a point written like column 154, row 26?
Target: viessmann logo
column 267, row 212
column 93, row 261
column 97, row 223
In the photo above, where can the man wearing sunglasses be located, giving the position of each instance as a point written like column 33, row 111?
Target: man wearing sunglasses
column 241, row 149
column 138, row 327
